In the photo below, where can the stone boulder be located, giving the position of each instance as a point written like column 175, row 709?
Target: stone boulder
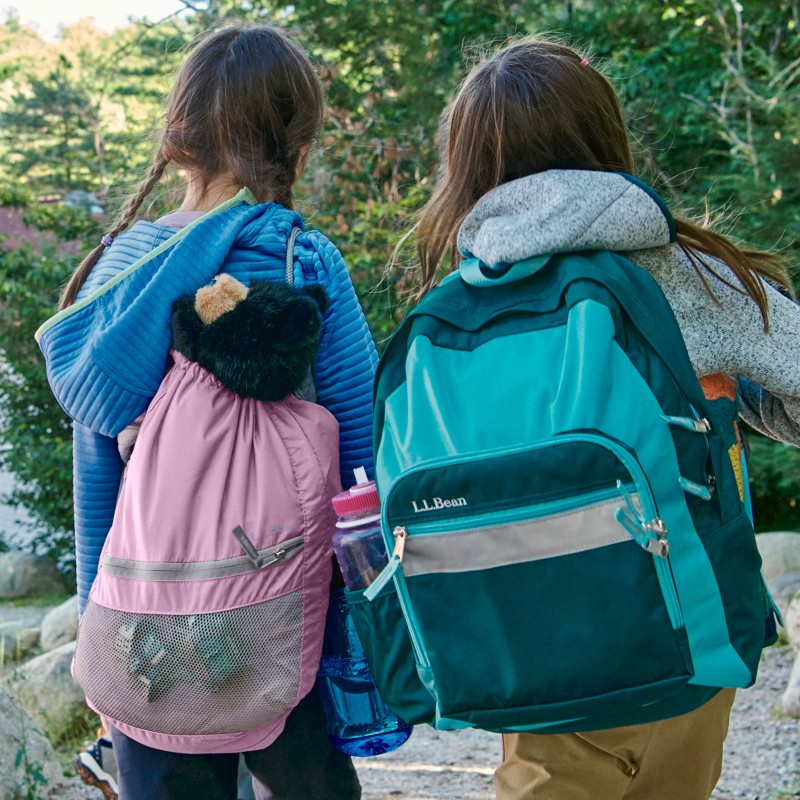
column 783, row 589
column 27, row 760
column 790, row 702
column 28, row 575
column 60, row 625
column 780, row 553
column 18, row 638
column 791, row 621
column 44, row 686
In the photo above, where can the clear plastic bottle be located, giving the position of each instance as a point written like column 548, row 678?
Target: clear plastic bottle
column 359, row 722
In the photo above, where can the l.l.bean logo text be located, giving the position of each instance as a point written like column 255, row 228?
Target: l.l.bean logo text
column 436, row 503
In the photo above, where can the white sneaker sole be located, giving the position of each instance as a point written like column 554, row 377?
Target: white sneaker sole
column 92, row 773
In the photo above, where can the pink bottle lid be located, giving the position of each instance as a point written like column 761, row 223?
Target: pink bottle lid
column 359, row 499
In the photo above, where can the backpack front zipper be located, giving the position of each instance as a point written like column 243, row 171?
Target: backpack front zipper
column 204, row 570
column 645, row 528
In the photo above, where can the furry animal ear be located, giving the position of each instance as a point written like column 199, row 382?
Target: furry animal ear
column 318, row 295
column 211, row 302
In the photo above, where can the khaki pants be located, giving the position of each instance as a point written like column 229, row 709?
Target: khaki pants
column 675, row 759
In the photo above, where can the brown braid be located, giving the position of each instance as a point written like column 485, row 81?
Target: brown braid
column 125, row 219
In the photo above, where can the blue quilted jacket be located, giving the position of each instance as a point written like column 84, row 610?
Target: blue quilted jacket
column 107, row 353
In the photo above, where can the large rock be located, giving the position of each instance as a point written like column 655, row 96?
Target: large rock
column 791, row 619
column 790, row 702
column 28, row 575
column 60, row 625
column 27, row 760
column 18, row 638
column 780, row 553
column 783, row 589
column 44, row 686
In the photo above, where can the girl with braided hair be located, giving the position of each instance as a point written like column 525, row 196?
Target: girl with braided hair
column 246, row 107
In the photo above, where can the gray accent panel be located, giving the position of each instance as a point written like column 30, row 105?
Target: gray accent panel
column 200, row 570
column 575, row 531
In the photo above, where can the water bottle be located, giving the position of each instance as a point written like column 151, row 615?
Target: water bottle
column 359, row 722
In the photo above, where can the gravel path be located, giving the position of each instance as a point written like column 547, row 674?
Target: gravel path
column 762, row 753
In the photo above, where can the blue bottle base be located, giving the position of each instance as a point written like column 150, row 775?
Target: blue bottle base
column 372, row 744
column 359, row 723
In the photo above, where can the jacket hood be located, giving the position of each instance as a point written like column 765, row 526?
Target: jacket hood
column 106, row 355
column 562, row 211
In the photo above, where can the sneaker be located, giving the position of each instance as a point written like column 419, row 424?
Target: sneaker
column 93, row 765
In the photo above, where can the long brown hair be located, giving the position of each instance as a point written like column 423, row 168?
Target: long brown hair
column 537, row 105
column 247, row 101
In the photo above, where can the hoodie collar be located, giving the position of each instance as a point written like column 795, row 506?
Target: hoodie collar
column 562, row 211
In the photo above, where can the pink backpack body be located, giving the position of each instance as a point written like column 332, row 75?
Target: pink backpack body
column 204, row 625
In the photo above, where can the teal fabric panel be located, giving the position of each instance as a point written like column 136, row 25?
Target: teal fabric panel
column 500, row 480
column 476, row 273
column 447, row 417
column 686, row 699
column 471, row 308
column 382, row 630
column 519, row 619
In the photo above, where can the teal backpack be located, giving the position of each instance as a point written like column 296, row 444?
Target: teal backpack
column 569, row 547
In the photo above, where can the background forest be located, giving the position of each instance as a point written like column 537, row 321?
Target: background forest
column 711, row 89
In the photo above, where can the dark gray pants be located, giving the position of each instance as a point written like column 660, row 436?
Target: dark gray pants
column 301, row 764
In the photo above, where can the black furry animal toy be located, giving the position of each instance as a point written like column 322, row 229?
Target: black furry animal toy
column 258, row 342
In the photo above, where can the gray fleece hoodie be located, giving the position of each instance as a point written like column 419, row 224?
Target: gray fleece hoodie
column 567, row 210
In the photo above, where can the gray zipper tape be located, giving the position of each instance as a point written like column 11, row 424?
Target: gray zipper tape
column 200, row 570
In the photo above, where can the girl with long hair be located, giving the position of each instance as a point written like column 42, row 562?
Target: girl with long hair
column 531, row 147
column 245, row 109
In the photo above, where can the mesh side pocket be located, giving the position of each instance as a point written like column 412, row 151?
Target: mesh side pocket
column 225, row 672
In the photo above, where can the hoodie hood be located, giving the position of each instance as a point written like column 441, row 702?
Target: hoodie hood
column 562, row 211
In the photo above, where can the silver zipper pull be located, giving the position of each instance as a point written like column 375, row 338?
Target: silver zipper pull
column 400, row 534
column 642, row 532
column 659, row 546
column 273, row 558
column 248, row 547
column 387, row 573
column 701, row 425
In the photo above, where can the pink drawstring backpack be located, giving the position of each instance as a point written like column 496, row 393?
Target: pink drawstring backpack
column 204, row 625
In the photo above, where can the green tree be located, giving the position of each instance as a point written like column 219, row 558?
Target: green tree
column 710, row 88
column 50, row 124
column 38, row 432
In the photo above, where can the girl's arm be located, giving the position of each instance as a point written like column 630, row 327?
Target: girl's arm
column 97, row 470
column 769, row 362
column 347, row 358
column 727, row 335
column 776, row 417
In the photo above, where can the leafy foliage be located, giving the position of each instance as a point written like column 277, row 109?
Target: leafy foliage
column 711, row 89
column 38, row 432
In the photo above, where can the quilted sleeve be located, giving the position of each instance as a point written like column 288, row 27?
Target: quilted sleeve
column 347, row 358
column 97, row 470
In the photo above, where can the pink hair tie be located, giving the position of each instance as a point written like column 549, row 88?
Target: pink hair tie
column 107, row 240
column 585, row 62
